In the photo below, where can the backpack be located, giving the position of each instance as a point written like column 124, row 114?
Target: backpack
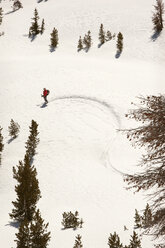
column 48, row 91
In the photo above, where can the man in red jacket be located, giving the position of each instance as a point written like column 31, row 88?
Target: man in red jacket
column 45, row 94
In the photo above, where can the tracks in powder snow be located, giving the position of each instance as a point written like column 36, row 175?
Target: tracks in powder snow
column 102, row 106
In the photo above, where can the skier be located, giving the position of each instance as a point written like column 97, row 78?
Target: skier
column 45, row 94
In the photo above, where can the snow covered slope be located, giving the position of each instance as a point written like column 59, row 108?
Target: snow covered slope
column 81, row 156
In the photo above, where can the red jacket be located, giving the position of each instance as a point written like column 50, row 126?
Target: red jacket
column 45, row 92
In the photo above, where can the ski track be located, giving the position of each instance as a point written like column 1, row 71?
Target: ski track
column 90, row 100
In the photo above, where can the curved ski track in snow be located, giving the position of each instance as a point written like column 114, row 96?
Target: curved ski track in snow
column 109, row 107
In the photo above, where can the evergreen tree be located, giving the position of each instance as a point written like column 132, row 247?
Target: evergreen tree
column 150, row 112
column 114, row 241
column 80, row 44
column 38, row 232
column 27, row 190
column 23, row 235
column 101, row 35
column 42, row 27
column 119, row 44
column 78, row 242
column 34, row 29
column 137, row 219
column 135, row 241
column 13, row 129
column 108, row 36
column 17, row 5
column 1, row 143
column 32, row 141
column 1, row 15
column 157, row 17
column 147, row 217
column 71, row 220
column 87, row 41
column 54, row 39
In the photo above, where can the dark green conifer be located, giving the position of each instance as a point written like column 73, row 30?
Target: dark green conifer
column 27, row 190
column 38, row 232
column 147, row 217
column 54, row 39
column 87, row 41
column 157, row 18
column 13, row 129
column 135, row 241
column 32, row 141
column 119, row 44
column 80, row 44
column 1, row 144
column 42, row 27
column 78, row 242
column 138, row 220
column 34, row 29
column 23, row 235
column 101, row 35
column 114, row 241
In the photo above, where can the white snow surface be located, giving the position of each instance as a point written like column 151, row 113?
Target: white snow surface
column 81, row 156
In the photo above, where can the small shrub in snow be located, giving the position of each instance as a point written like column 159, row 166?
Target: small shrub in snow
column 17, row 5
column 13, row 129
column 71, row 220
column 42, row 27
column 87, row 41
column 119, row 44
column 78, row 242
column 108, row 36
column 80, row 44
column 102, row 35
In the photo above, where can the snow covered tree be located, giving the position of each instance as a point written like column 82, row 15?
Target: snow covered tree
column 27, row 190
column 78, row 242
column 135, row 241
column 13, row 129
column 151, row 136
column 101, row 35
column 1, row 143
column 42, row 27
column 147, row 217
column 17, row 5
column 80, row 44
column 138, row 220
column 32, row 141
column 38, row 231
column 108, row 36
column 87, row 41
column 71, row 220
column 1, row 15
column 54, row 39
column 114, row 241
column 34, row 29
column 119, row 44
column 157, row 17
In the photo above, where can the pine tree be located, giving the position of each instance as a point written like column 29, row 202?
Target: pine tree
column 71, row 220
column 38, row 232
column 135, row 241
column 147, row 217
column 119, row 44
column 87, row 41
column 101, row 35
column 54, row 39
column 23, row 235
column 78, row 242
column 13, row 129
column 27, row 190
column 108, row 36
column 34, row 29
column 32, row 141
column 1, row 15
column 114, row 241
column 137, row 219
column 150, row 135
column 157, row 17
column 17, row 5
column 1, row 144
column 42, row 27
column 80, row 44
